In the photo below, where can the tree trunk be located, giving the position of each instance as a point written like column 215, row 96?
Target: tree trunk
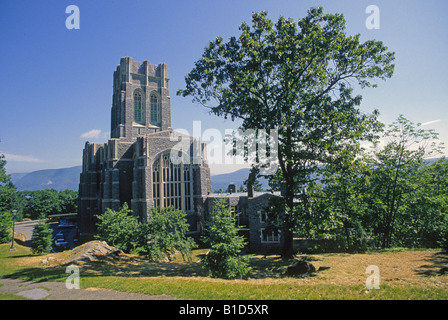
column 288, row 250
column 288, row 175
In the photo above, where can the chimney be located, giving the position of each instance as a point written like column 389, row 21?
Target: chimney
column 232, row 188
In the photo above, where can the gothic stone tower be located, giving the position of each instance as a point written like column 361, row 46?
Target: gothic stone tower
column 141, row 99
column 136, row 166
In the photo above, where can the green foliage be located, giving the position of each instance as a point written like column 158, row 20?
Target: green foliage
column 339, row 208
column 162, row 235
column 5, row 226
column 68, row 201
column 401, row 180
column 119, row 229
column 48, row 202
column 42, row 237
column 4, row 178
column 165, row 232
column 223, row 259
column 31, row 204
column 252, row 179
column 391, row 196
column 9, row 199
column 296, row 78
column 424, row 222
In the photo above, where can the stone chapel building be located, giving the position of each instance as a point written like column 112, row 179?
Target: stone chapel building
column 136, row 166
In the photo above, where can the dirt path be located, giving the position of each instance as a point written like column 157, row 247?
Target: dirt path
column 58, row 291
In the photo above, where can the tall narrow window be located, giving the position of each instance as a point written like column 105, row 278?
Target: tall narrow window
column 154, row 110
column 172, row 183
column 138, row 106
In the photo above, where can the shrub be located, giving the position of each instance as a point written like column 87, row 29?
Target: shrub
column 223, row 260
column 162, row 235
column 165, row 233
column 42, row 237
column 119, row 229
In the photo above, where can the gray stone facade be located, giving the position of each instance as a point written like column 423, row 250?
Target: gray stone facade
column 251, row 219
column 147, row 164
column 143, row 164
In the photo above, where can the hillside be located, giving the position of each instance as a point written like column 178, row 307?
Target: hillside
column 237, row 177
column 68, row 178
column 58, row 179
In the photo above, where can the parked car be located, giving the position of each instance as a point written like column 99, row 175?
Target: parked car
column 65, row 224
column 60, row 242
column 58, row 236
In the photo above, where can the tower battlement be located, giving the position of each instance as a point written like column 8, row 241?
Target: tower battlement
column 135, row 166
column 141, row 100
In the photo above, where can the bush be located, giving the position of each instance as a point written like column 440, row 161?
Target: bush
column 223, row 260
column 162, row 235
column 119, row 229
column 166, row 233
column 42, row 237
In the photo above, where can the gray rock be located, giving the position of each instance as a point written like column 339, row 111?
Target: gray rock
column 300, row 267
column 92, row 250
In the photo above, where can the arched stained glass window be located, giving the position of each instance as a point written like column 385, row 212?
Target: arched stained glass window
column 138, row 106
column 154, row 109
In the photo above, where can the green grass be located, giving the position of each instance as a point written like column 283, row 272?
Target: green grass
column 10, row 296
column 7, row 259
column 236, row 290
column 267, row 280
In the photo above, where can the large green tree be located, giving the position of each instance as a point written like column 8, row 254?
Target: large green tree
column 299, row 79
column 425, row 223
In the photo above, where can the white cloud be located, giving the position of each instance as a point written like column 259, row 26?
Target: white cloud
column 430, row 122
column 92, row 134
column 18, row 158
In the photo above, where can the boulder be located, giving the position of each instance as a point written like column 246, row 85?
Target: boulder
column 93, row 250
column 300, row 267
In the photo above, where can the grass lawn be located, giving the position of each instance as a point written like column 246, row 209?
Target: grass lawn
column 404, row 274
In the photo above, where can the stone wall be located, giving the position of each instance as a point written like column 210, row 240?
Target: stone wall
column 255, row 206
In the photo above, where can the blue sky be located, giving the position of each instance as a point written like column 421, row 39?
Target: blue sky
column 56, row 84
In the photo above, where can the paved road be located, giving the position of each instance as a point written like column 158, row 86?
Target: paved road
column 26, row 228
column 58, row 291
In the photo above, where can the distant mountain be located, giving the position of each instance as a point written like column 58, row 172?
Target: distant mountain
column 68, row 178
column 58, row 179
column 237, row 177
